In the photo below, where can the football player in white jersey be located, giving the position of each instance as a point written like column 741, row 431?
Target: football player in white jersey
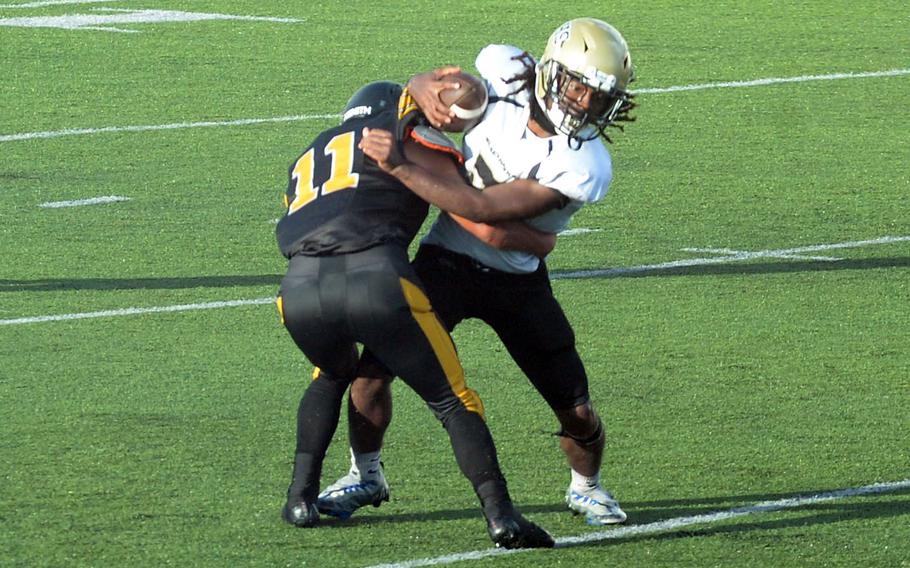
column 537, row 153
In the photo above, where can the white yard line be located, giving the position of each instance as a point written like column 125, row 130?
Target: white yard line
column 664, row 526
column 578, row 231
column 174, row 126
column 735, row 253
column 103, row 19
column 53, row 3
column 776, row 81
column 140, row 311
column 732, row 256
column 80, row 202
column 297, row 118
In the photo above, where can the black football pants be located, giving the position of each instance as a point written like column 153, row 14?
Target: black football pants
column 522, row 311
column 331, row 303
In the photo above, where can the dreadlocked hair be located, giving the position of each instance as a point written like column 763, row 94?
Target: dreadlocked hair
column 525, row 79
column 622, row 115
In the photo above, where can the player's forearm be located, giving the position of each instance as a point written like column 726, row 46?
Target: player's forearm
column 516, row 235
column 510, row 235
column 517, row 199
column 446, row 194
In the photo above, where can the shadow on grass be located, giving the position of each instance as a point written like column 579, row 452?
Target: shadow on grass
column 646, row 512
column 800, row 518
column 731, row 268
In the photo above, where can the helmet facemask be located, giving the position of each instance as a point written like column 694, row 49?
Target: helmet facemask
column 586, row 61
column 564, row 88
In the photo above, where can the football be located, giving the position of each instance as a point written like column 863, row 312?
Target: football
column 468, row 101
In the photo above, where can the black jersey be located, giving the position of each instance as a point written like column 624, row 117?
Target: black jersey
column 340, row 202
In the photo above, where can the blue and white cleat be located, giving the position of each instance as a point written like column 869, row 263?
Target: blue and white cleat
column 350, row 493
column 598, row 506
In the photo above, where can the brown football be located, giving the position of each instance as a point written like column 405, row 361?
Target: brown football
column 468, row 100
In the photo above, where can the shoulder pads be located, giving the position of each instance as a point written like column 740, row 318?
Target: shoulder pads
column 436, row 140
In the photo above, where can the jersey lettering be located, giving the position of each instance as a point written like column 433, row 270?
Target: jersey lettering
column 324, row 219
column 341, row 149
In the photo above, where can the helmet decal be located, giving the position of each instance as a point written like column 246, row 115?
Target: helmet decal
column 561, row 35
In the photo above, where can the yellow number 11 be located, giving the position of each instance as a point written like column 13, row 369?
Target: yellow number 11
column 341, row 149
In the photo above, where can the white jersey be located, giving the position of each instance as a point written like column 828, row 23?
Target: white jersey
column 501, row 148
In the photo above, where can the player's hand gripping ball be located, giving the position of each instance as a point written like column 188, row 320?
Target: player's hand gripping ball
column 468, row 101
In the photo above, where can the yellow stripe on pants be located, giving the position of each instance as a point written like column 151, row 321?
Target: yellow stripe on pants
column 442, row 345
column 279, row 303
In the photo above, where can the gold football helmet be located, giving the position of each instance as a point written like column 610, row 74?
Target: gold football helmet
column 584, row 55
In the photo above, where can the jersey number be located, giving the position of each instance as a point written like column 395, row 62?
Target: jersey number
column 341, row 149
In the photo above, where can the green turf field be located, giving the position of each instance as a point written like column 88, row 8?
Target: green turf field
column 741, row 298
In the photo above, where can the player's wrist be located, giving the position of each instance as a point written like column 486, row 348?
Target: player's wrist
column 401, row 170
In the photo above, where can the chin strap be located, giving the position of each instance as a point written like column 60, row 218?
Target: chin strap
column 540, row 117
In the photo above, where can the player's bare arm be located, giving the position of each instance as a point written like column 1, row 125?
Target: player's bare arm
column 506, row 235
column 510, row 235
column 517, row 199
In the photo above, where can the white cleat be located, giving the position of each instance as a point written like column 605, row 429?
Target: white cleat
column 350, row 493
column 598, row 506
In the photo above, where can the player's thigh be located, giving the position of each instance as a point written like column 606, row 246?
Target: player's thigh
column 313, row 324
column 408, row 338
column 443, row 281
column 525, row 314
column 541, row 340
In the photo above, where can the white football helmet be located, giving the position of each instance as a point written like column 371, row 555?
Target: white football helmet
column 593, row 53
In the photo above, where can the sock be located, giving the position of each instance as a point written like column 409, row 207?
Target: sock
column 582, row 483
column 495, row 500
column 366, row 464
column 305, row 479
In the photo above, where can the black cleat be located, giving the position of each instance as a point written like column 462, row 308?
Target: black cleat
column 300, row 514
column 515, row 531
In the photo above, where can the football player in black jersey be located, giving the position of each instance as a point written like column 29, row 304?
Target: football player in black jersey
column 536, row 146
column 346, row 233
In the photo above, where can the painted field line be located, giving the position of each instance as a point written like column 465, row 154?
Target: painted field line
column 775, row 81
column 735, row 256
column 44, row 3
column 174, row 126
column 139, row 311
column 80, row 202
column 578, row 231
column 738, row 256
column 249, row 121
column 733, row 253
column 663, row 526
